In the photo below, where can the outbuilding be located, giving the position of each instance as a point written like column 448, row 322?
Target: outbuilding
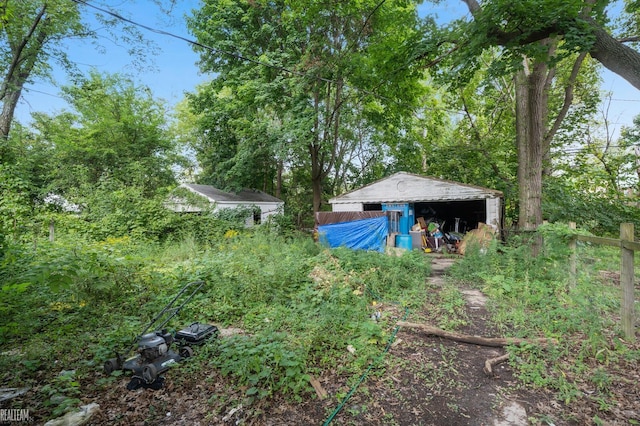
column 264, row 205
column 457, row 207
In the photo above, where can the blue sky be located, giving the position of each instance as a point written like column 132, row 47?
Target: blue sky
column 176, row 70
column 175, row 66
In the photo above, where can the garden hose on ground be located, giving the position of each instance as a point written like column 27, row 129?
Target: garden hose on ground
column 364, row 375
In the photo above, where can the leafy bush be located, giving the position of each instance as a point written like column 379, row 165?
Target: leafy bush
column 300, row 306
column 596, row 212
column 265, row 364
column 320, row 300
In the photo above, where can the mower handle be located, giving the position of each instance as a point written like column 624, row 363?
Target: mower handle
column 173, row 311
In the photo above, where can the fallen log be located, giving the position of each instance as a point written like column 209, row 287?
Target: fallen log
column 496, row 342
column 488, row 364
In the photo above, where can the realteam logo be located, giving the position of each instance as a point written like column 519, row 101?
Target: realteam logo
column 14, row 415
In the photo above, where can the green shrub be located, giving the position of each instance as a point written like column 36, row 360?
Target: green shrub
column 300, row 306
column 531, row 296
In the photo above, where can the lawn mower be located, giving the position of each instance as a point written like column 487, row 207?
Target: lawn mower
column 153, row 353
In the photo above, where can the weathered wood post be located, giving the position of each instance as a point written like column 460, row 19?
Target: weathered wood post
column 626, row 281
column 572, row 257
column 52, row 231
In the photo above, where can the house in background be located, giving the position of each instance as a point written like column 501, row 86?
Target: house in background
column 266, row 205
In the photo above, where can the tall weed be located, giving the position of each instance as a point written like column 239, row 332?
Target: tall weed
column 531, row 296
column 300, row 306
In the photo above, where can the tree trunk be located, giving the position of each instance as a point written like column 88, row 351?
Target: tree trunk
column 316, row 185
column 279, row 179
column 314, row 152
column 496, row 342
column 531, row 115
column 316, row 174
column 522, row 132
column 325, row 147
column 9, row 103
column 24, row 55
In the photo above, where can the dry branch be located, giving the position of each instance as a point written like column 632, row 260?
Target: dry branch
column 488, row 364
column 322, row 394
column 477, row 340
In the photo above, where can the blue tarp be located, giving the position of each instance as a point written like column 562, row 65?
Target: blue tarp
column 363, row 234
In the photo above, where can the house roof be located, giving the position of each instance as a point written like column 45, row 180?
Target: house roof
column 218, row 196
column 405, row 187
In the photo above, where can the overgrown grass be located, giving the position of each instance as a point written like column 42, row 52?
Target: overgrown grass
column 73, row 303
column 531, row 296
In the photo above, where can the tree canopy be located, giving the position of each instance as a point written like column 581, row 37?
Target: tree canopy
column 299, row 85
column 310, row 99
column 34, row 36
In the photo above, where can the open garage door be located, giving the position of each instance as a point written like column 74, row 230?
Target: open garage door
column 466, row 214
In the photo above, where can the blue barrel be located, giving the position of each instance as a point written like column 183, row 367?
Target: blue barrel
column 403, row 241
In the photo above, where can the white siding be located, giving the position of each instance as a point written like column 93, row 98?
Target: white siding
column 493, row 212
column 411, row 188
column 347, row 207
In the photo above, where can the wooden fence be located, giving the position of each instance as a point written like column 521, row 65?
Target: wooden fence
column 628, row 247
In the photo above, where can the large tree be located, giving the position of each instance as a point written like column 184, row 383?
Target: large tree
column 116, row 132
column 29, row 33
column 287, row 88
column 34, row 37
column 534, row 38
column 581, row 24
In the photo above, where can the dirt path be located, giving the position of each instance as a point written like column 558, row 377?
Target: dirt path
column 433, row 381
column 428, row 380
column 422, row 380
column 479, row 400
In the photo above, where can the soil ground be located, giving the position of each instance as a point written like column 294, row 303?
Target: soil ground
column 421, row 380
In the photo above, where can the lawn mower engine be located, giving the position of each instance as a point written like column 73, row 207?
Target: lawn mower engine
column 152, row 352
column 154, row 356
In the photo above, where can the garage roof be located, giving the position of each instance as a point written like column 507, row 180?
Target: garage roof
column 405, row 187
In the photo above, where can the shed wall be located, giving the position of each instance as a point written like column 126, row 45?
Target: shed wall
column 409, row 188
column 494, row 212
column 347, row 207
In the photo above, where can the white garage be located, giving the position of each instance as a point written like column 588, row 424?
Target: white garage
column 458, row 207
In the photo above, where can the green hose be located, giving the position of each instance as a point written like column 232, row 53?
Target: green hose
column 364, row 375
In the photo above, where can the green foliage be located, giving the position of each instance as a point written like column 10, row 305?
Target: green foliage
column 116, row 132
column 259, row 121
column 109, row 161
column 237, row 217
column 566, row 200
column 14, row 204
column 450, row 308
column 265, row 364
column 35, row 37
column 480, row 148
column 31, row 38
column 517, row 31
column 300, row 306
column 95, row 270
column 531, row 296
column 63, row 392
